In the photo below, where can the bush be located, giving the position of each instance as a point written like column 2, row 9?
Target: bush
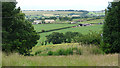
column 50, row 53
column 62, row 52
column 91, row 38
column 70, row 36
column 69, row 51
column 38, row 52
column 42, row 30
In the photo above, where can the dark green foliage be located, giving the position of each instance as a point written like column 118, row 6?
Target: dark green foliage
column 56, row 38
column 111, row 30
column 42, row 30
column 38, row 52
column 69, row 51
column 70, row 36
column 50, row 53
column 61, row 52
column 42, row 43
column 91, row 38
column 18, row 35
column 65, row 19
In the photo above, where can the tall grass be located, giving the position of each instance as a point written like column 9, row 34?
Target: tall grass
column 68, row 54
column 66, row 49
column 72, row 60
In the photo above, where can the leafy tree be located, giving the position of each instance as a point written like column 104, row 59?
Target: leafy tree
column 111, row 30
column 18, row 35
column 70, row 36
column 55, row 38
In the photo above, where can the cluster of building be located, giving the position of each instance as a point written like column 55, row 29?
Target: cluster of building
column 41, row 21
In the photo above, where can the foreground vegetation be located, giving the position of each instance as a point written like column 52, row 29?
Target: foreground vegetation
column 90, row 56
column 73, row 48
column 76, row 60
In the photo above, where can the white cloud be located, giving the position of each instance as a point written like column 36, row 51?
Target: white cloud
column 63, row 4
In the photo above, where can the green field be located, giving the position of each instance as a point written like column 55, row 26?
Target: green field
column 50, row 13
column 39, row 27
column 94, row 21
column 83, row 30
column 98, row 13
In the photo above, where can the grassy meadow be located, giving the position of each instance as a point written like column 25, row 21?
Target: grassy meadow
column 87, row 58
column 76, row 60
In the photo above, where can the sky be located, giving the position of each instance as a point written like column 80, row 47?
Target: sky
column 90, row 5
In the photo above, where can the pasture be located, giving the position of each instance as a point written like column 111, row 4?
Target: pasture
column 83, row 30
column 39, row 27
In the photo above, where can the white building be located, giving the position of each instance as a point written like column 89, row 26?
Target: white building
column 37, row 22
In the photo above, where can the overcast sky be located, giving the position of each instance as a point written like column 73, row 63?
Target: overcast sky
column 90, row 5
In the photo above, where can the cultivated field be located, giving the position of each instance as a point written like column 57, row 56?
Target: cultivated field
column 50, row 13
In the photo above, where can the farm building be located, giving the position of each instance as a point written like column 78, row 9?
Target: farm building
column 73, row 22
column 84, row 24
column 49, row 21
column 75, row 15
column 37, row 22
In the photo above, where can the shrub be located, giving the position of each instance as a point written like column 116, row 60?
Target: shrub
column 91, row 38
column 69, row 51
column 38, row 52
column 62, row 52
column 50, row 53
column 70, row 36
column 42, row 30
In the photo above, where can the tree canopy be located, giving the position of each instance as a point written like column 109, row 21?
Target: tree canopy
column 18, row 35
column 111, row 30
